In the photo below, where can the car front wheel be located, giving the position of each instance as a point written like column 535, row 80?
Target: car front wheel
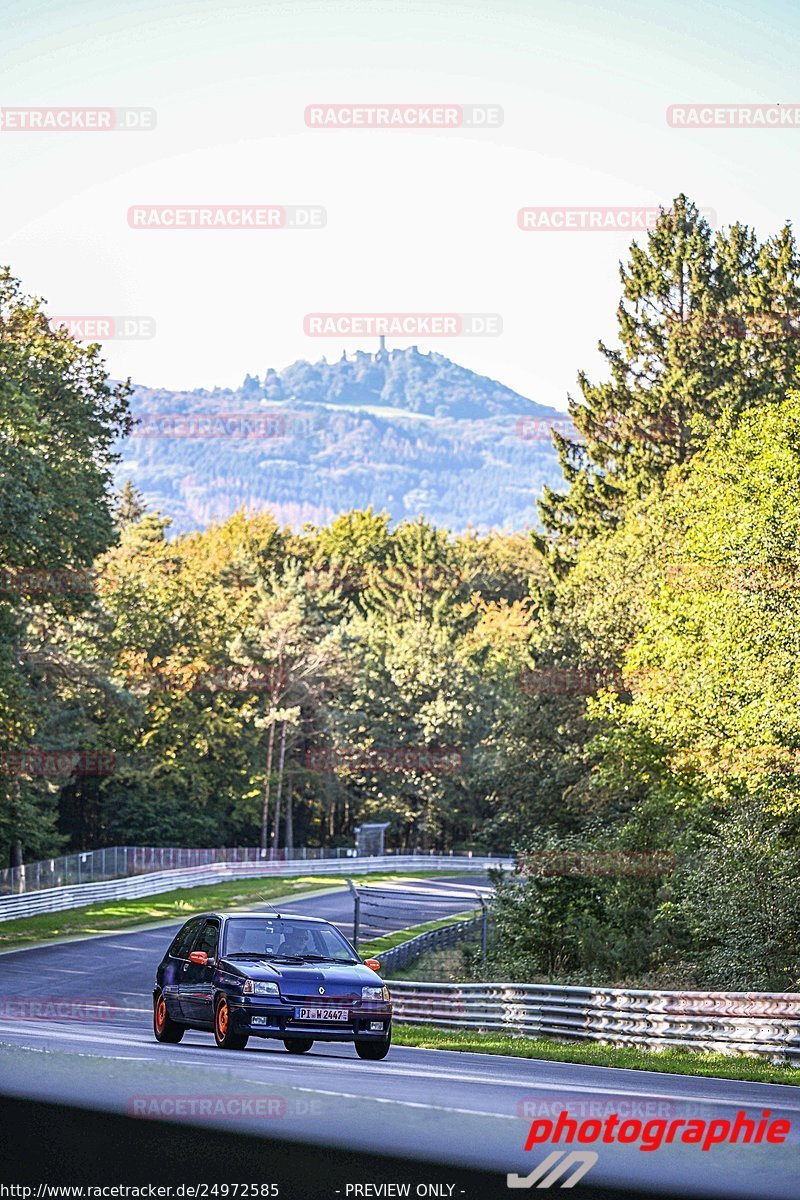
column 373, row 1051
column 165, row 1029
column 224, row 1036
column 298, row 1045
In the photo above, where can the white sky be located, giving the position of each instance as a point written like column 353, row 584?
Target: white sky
column 417, row 221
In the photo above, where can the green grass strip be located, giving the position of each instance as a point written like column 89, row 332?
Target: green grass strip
column 669, row 1061
column 177, row 905
column 380, row 945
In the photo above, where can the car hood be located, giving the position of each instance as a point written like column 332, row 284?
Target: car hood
column 297, row 976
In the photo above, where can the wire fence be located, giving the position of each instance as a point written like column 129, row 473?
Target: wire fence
column 117, row 862
column 389, row 910
column 435, row 939
column 153, row 883
column 379, row 911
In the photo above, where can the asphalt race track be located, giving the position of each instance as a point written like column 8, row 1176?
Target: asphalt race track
column 460, row 1109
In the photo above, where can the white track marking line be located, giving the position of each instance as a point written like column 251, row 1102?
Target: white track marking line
column 449, row 892
column 470, row 1112
column 206, row 1064
column 151, row 928
column 337, row 1064
column 122, row 946
column 420, row 1073
column 62, row 1035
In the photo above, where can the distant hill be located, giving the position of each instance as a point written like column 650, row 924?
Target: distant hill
column 404, row 431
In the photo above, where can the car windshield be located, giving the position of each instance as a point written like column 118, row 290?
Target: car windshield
column 274, row 937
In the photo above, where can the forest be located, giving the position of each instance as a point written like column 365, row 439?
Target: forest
column 613, row 697
column 397, row 429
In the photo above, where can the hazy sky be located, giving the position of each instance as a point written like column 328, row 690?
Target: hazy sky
column 421, row 221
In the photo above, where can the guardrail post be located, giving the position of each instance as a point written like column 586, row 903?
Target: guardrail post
column 484, row 926
column 356, row 911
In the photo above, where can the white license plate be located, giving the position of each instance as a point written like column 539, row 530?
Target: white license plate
column 321, row 1014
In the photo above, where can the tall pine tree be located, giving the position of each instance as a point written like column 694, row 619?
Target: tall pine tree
column 708, row 328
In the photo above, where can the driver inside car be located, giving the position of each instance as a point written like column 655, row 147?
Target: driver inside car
column 297, row 942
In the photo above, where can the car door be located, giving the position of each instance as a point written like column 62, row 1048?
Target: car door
column 177, row 960
column 196, row 979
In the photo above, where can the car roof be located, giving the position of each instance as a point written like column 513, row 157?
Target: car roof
column 227, row 916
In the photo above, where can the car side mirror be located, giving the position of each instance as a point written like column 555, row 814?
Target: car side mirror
column 199, row 957
column 372, row 963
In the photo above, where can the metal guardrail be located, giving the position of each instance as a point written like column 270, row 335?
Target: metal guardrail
column 760, row 1023
column 434, row 939
column 59, row 899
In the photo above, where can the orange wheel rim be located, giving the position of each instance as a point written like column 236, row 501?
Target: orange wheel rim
column 222, row 1018
column 161, row 1013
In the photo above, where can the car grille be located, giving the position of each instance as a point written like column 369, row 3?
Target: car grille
column 330, row 999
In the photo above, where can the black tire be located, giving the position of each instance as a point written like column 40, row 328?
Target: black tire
column 298, row 1045
column 224, row 1036
column 373, row 1051
column 164, row 1028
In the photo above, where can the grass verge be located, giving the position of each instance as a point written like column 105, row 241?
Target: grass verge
column 671, row 1062
column 177, row 905
column 380, row 945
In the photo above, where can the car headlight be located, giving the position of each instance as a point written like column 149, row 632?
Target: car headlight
column 375, row 993
column 255, row 987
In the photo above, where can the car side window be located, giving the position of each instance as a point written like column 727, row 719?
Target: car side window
column 208, row 939
column 180, row 947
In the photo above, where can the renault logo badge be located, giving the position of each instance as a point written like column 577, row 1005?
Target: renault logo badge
column 322, row 991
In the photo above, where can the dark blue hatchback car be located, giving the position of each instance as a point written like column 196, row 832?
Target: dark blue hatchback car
column 268, row 975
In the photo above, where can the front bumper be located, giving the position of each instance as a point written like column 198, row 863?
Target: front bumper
column 260, row 1018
